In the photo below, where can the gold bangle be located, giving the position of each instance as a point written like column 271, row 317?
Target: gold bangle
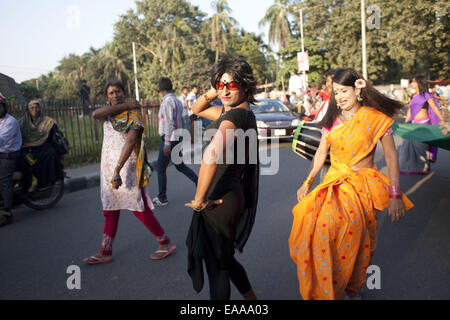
column 308, row 181
column 206, row 98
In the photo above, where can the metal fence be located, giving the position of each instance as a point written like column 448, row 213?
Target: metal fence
column 84, row 133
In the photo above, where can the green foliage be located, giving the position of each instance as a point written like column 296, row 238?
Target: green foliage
column 411, row 38
column 175, row 39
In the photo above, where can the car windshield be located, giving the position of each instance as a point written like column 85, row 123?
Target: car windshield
column 269, row 106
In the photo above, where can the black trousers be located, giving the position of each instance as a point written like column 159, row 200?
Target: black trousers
column 7, row 166
column 219, row 279
column 223, row 219
column 192, row 119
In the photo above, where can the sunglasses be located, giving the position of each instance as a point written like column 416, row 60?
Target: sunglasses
column 232, row 86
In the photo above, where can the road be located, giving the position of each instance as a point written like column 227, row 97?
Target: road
column 37, row 249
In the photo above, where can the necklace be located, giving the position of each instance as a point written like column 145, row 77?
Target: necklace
column 347, row 115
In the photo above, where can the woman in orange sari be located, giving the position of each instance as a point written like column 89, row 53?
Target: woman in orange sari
column 333, row 236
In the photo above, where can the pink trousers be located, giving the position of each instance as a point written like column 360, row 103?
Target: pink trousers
column 147, row 218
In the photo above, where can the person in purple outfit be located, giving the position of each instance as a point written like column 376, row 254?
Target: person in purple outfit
column 415, row 157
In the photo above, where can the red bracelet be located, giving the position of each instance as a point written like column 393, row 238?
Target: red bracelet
column 395, row 192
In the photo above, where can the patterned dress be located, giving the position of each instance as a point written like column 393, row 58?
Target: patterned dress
column 128, row 196
column 333, row 236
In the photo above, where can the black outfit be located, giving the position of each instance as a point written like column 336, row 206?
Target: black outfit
column 7, row 166
column 84, row 92
column 215, row 233
column 48, row 166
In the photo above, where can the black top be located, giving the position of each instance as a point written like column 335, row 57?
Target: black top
column 229, row 175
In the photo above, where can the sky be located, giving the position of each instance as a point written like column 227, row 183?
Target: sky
column 36, row 35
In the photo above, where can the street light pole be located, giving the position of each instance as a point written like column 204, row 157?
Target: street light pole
column 363, row 39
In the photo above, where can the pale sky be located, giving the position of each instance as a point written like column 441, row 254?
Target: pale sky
column 36, row 35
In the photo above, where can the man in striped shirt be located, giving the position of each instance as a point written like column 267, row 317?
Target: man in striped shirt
column 170, row 119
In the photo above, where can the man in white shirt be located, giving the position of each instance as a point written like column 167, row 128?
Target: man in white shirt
column 190, row 100
column 10, row 144
column 182, row 97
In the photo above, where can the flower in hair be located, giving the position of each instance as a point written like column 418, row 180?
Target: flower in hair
column 360, row 83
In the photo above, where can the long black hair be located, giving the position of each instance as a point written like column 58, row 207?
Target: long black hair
column 371, row 97
column 423, row 88
column 422, row 83
column 240, row 70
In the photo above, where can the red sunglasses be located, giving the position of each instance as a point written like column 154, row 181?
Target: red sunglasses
column 232, row 86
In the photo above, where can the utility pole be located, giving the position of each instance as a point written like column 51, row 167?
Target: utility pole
column 363, row 39
column 303, row 47
column 135, row 72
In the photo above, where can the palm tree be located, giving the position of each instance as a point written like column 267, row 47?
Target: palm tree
column 221, row 25
column 114, row 63
column 279, row 28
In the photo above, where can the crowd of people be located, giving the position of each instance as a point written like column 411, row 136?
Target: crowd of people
column 334, row 230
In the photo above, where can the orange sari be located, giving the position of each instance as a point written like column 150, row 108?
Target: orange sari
column 333, row 236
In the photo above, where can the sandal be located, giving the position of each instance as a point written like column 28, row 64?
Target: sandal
column 162, row 253
column 98, row 259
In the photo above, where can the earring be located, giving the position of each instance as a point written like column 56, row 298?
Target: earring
column 358, row 97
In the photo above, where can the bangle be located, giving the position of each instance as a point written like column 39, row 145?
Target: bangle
column 308, row 181
column 119, row 166
column 395, row 192
column 206, row 98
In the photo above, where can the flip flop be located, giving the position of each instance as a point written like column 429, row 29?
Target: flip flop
column 97, row 260
column 165, row 252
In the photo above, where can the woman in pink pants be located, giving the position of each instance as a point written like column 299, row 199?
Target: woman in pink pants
column 124, row 172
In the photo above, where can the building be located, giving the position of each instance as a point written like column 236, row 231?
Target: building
column 9, row 88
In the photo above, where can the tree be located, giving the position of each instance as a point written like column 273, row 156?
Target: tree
column 221, row 26
column 279, row 25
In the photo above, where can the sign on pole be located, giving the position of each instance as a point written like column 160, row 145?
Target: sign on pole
column 303, row 61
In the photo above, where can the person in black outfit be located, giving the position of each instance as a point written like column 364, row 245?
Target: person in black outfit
column 227, row 191
column 40, row 156
column 85, row 91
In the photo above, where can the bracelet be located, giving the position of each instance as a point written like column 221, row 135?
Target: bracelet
column 308, row 181
column 119, row 166
column 395, row 192
column 206, row 98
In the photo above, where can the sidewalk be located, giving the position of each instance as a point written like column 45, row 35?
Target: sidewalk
column 89, row 176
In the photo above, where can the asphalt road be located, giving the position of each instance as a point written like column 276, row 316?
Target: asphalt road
column 37, row 249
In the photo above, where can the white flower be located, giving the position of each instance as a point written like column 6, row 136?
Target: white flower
column 360, row 83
